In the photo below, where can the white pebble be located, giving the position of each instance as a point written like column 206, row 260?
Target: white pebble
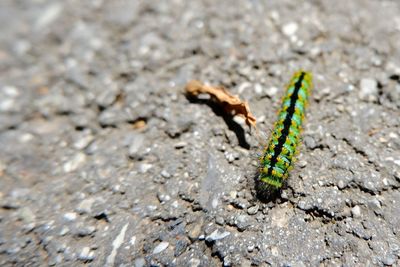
column 290, row 28
column 368, row 89
column 302, row 163
column 253, row 210
column 374, row 204
column 239, row 120
column 85, row 206
column 75, row 162
column 64, row 231
column 136, row 145
column 250, row 248
column 258, row 89
column 26, row 137
column 70, row 216
column 7, row 104
column 144, row 167
column 393, row 135
column 216, row 235
column 341, row 184
column 83, row 141
column 244, row 86
column 140, row 262
column 132, row 241
column 10, row 91
column 271, row 91
column 86, row 254
column 49, row 15
column 275, row 15
column 165, row 174
column 180, row 145
column 356, row 211
column 160, row 247
column 194, row 262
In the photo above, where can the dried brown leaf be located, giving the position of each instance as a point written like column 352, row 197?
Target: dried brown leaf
column 230, row 103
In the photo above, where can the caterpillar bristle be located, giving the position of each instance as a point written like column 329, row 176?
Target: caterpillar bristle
column 279, row 155
column 267, row 192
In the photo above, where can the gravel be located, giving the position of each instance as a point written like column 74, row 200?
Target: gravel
column 160, row 247
column 105, row 162
column 217, row 235
column 369, row 89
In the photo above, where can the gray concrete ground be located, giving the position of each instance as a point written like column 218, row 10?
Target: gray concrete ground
column 105, row 162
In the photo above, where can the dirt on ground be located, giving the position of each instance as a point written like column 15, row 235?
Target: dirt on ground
column 104, row 161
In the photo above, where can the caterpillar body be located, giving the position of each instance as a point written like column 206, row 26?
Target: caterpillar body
column 278, row 157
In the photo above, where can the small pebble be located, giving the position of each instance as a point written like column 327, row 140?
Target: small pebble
column 193, row 262
column 389, row 260
column 230, row 157
column 139, row 262
column 258, row 89
column 107, row 97
column 85, row 206
column 310, row 142
column 10, row 91
column 27, row 215
column 271, row 91
column 374, row 204
column 83, row 141
column 219, row 220
column 160, row 247
column 242, row 87
column 132, row 241
column 28, row 227
column 151, row 208
column 239, row 120
column 64, row 231
column 86, row 254
column 284, row 195
column 302, row 163
column 217, row 235
column 253, row 210
column 135, row 147
column 55, row 260
column 75, row 162
column 341, row 184
column 165, row 174
column 6, row 105
column 368, row 89
column 70, row 216
column 48, row 15
column 60, row 247
column 356, row 211
column 194, row 232
column 180, row 145
column 86, row 231
column 163, row 197
column 144, row 167
column 290, row 28
column 250, row 248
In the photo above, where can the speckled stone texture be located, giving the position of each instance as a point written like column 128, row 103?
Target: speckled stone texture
column 105, row 162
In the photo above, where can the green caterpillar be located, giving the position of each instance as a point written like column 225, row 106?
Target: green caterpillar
column 278, row 157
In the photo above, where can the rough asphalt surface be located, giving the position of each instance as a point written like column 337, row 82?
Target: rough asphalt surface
column 105, row 162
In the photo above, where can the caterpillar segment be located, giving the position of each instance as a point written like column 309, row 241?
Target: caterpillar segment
column 279, row 155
